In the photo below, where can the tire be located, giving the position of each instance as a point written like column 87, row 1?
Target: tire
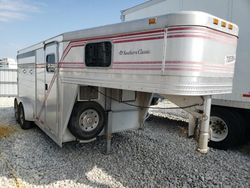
column 16, row 110
column 246, row 115
column 227, row 128
column 87, row 120
column 21, row 119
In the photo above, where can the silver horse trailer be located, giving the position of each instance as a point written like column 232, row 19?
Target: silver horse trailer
column 99, row 81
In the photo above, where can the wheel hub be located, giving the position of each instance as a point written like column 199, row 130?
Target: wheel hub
column 89, row 120
column 219, row 129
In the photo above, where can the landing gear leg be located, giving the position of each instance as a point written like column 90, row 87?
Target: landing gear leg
column 109, row 133
column 204, row 128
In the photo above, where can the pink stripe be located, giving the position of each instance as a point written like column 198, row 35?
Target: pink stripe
column 40, row 66
column 140, row 39
column 247, row 95
column 205, row 34
column 158, row 69
column 71, row 62
column 122, row 35
column 200, row 36
column 138, row 36
column 141, row 62
column 65, row 65
column 201, row 29
column 167, row 69
column 72, row 67
column 172, row 62
column 135, row 68
column 198, row 69
column 68, row 48
column 202, row 65
column 207, row 67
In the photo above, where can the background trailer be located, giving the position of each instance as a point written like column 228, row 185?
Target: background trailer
column 77, row 83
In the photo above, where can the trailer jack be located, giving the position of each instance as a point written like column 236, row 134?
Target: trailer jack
column 200, row 113
column 108, row 133
column 204, row 127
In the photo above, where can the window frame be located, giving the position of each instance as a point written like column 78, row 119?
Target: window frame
column 47, row 63
column 111, row 54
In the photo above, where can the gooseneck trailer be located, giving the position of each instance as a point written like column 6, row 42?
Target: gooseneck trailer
column 99, row 81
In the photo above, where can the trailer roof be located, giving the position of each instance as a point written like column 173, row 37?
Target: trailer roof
column 174, row 19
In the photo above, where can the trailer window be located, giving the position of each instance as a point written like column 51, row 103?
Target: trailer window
column 98, row 54
column 50, row 62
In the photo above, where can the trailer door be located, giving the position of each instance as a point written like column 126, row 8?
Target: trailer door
column 40, row 81
column 51, row 99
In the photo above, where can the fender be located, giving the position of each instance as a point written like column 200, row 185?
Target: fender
column 28, row 107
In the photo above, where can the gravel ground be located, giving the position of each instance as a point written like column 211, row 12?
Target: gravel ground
column 173, row 114
column 158, row 156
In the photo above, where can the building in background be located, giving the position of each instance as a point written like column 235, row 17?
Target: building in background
column 8, row 77
column 8, row 63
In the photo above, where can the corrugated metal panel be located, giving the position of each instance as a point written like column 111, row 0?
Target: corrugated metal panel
column 8, row 82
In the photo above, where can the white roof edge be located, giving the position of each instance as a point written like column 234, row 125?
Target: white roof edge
column 40, row 44
column 140, row 6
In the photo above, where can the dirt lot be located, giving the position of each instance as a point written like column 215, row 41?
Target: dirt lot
column 158, row 156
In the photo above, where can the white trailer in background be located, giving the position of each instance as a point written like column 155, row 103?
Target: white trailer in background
column 77, row 83
column 8, row 77
column 230, row 112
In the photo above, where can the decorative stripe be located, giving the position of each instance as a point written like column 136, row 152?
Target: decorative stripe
column 138, row 36
column 137, row 68
column 247, row 95
column 204, row 35
column 121, row 35
column 42, row 65
column 203, row 32
column 200, row 28
column 68, row 48
column 139, row 62
column 133, row 37
column 200, row 36
column 170, row 65
column 138, row 39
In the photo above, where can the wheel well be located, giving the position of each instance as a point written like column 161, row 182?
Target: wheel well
column 74, row 126
column 27, row 106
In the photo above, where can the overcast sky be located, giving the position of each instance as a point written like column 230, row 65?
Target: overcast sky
column 26, row 22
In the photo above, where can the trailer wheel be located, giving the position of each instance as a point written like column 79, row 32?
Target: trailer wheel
column 16, row 111
column 24, row 124
column 87, row 120
column 227, row 128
